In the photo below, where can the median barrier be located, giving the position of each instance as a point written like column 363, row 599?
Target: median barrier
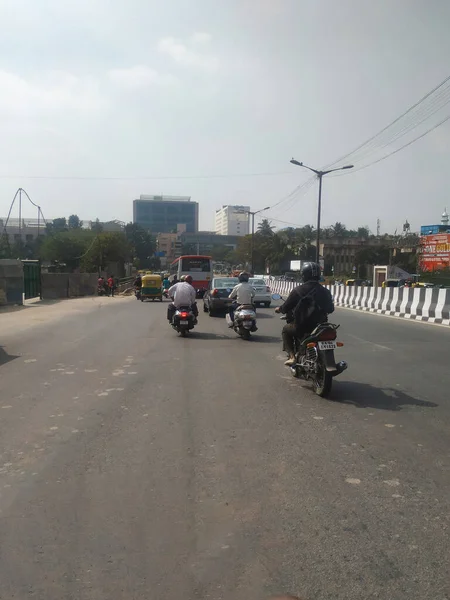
column 420, row 304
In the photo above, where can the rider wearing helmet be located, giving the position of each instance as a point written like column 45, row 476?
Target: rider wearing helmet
column 308, row 305
column 243, row 293
column 183, row 294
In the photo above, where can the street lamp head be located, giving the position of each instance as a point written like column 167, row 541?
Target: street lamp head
column 267, row 208
column 348, row 167
column 296, row 162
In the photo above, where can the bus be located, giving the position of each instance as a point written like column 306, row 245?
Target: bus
column 199, row 267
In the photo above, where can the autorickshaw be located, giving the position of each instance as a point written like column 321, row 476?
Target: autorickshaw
column 151, row 288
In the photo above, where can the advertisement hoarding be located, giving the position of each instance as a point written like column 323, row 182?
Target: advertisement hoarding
column 435, row 252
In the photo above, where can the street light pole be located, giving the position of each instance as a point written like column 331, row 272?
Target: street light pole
column 253, row 234
column 320, row 175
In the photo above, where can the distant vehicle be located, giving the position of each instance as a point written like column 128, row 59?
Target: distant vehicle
column 216, row 298
column 262, row 292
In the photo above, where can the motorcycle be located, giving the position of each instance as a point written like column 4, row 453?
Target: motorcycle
column 315, row 359
column 244, row 321
column 101, row 290
column 183, row 320
column 137, row 293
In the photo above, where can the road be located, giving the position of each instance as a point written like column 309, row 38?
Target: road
column 135, row 464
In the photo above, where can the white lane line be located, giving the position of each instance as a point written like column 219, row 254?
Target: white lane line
column 353, row 481
column 362, row 341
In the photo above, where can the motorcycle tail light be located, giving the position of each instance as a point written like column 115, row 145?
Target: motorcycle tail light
column 248, row 317
column 184, row 315
column 327, row 335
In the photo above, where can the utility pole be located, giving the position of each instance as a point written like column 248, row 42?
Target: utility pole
column 252, row 239
column 320, row 175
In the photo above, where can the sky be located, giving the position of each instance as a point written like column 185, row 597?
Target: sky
column 104, row 100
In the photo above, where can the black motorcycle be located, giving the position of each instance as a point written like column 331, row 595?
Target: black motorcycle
column 183, row 320
column 315, row 359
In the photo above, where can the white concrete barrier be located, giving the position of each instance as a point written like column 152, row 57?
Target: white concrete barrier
column 420, row 304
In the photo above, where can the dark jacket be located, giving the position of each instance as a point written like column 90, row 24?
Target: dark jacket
column 308, row 305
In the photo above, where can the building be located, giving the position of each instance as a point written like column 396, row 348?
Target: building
column 339, row 253
column 164, row 214
column 167, row 243
column 204, row 242
column 107, row 226
column 232, row 220
column 25, row 230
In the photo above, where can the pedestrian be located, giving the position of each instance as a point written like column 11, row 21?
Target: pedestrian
column 111, row 285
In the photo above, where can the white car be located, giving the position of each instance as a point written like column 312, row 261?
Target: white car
column 262, row 291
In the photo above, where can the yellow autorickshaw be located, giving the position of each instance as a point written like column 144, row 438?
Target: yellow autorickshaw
column 151, row 288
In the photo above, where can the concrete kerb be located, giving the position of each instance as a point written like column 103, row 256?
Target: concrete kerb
column 419, row 304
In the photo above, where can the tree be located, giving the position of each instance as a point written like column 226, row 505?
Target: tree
column 74, row 222
column 143, row 245
column 67, row 247
column 57, row 226
column 265, row 228
column 339, row 230
column 106, row 248
column 363, row 232
column 97, row 226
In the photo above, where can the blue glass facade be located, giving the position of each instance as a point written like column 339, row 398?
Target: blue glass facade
column 163, row 216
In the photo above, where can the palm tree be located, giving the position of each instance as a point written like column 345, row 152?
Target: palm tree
column 265, row 228
column 339, row 229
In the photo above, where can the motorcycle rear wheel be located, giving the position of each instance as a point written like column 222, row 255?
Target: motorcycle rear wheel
column 322, row 382
column 245, row 334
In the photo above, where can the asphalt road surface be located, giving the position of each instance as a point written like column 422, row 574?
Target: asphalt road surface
column 135, row 464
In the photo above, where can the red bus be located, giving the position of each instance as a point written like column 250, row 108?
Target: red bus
column 199, row 267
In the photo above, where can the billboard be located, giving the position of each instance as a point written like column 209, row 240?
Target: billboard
column 435, row 252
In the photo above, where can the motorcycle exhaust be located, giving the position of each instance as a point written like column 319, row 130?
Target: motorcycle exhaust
column 341, row 366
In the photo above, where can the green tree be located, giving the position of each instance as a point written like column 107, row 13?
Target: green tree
column 106, row 248
column 66, row 247
column 143, row 245
column 265, row 228
column 339, row 230
column 74, row 222
column 57, row 226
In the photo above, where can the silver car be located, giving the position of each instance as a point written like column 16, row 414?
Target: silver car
column 262, row 291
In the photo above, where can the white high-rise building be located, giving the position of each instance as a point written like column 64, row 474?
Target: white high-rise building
column 232, row 220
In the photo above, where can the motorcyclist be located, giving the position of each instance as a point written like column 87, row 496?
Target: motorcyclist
column 242, row 293
column 306, row 306
column 138, row 281
column 183, row 294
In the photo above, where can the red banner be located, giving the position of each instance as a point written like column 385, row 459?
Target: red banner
column 435, row 252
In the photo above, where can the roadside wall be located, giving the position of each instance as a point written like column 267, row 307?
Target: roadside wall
column 68, row 285
column 420, row 304
column 11, row 282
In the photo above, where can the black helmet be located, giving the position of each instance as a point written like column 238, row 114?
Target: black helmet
column 311, row 272
column 243, row 277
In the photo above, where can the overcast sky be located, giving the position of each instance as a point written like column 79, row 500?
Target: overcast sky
column 183, row 89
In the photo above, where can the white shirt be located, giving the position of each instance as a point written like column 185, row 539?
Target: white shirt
column 183, row 294
column 243, row 293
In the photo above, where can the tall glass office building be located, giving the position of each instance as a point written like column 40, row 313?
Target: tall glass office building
column 163, row 214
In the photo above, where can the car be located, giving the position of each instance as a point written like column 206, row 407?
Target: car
column 262, row 291
column 216, row 299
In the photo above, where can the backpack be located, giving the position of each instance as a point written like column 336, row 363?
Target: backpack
column 308, row 308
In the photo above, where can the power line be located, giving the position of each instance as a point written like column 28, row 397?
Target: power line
column 145, row 178
column 390, row 125
column 404, row 145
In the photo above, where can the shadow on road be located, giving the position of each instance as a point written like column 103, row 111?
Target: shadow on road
column 364, row 395
column 206, row 335
column 34, row 303
column 5, row 357
column 266, row 339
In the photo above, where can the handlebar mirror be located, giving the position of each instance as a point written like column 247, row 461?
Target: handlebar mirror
column 276, row 297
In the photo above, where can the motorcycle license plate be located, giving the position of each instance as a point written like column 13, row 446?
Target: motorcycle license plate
column 184, row 322
column 327, row 345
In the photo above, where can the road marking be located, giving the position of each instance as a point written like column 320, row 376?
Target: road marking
column 103, row 394
column 132, row 372
column 389, row 425
column 68, row 373
column 7, row 406
column 392, row 482
column 362, row 341
column 353, row 481
column 318, row 418
column 118, row 372
column 30, row 360
column 90, row 370
column 54, row 428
